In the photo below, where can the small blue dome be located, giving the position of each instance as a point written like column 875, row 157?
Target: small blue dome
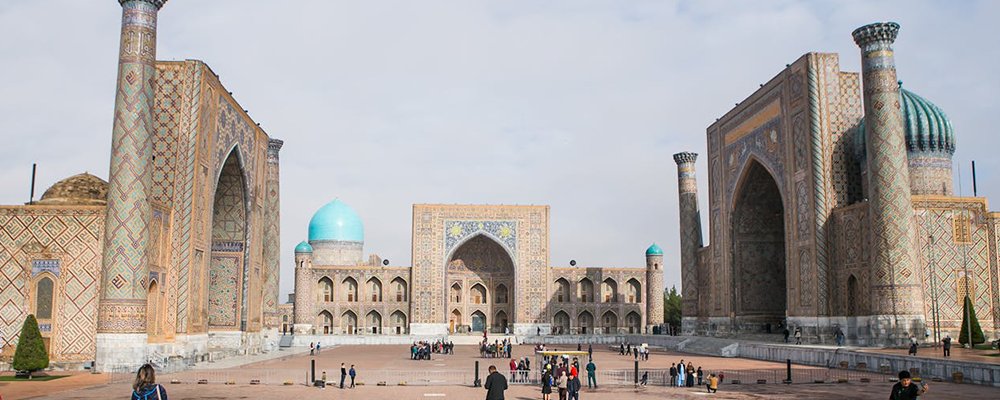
column 304, row 247
column 926, row 127
column 654, row 250
column 336, row 221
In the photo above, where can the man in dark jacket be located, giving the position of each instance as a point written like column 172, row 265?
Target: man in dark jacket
column 495, row 384
column 573, row 387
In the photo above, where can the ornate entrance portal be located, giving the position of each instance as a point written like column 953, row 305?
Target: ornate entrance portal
column 480, row 273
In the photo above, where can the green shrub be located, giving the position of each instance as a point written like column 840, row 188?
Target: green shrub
column 30, row 355
column 968, row 311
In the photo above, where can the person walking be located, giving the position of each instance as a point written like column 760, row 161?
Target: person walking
column 145, row 386
column 317, row 348
column 353, row 374
column 786, row 333
column 495, row 385
column 905, row 389
column 913, row 346
column 590, row 351
column 798, row 335
column 343, row 375
column 947, row 345
column 591, row 374
column 573, row 387
column 312, row 348
column 562, row 383
column 713, row 383
column 513, row 370
column 547, row 383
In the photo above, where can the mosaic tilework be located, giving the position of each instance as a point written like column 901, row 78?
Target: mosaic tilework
column 690, row 230
column 946, row 261
column 758, row 236
column 527, row 240
column 895, row 280
column 272, row 236
column 223, row 298
column 124, row 257
column 70, row 236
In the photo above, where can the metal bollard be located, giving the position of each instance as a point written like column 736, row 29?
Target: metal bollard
column 476, row 382
column 788, row 370
column 312, row 371
column 636, row 380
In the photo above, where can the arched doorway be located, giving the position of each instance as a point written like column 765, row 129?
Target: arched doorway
column 325, row 292
column 399, row 286
column 374, row 322
column 154, row 312
column 480, row 264
column 325, row 322
column 610, row 322
column 375, row 289
column 349, row 322
column 227, row 280
column 634, row 291
column 609, row 291
column 478, row 321
column 758, row 237
column 560, row 322
column 350, row 289
column 586, row 323
column 455, row 322
column 398, row 321
column 634, row 322
column 500, row 322
column 587, row 291
column 562, row 290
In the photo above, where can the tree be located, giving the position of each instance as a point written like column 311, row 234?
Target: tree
column 968, row 311
column 30, row 355
column 672, row 309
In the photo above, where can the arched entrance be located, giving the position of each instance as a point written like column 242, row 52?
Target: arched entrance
column 154, row 312
column 634, row 322
column 227, row 273
column 374, row 322
column 398, row 320
column 481, row 264
column 758, row 237
column 586, row 323
column 349, row 322
column 560, row 323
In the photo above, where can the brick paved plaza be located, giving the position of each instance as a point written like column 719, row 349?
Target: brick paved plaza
column 449, row 377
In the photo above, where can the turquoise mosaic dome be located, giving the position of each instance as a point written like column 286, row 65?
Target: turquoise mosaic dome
column 654, row 250
column 304, row 247
column 928, row 130
column 336, row 221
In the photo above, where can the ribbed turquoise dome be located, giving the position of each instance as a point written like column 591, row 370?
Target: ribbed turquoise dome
column 304, row 247
column 336, row 221
column 654, row 250
column 926, row 127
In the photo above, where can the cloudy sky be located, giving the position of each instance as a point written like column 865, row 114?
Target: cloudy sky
column 574, row 104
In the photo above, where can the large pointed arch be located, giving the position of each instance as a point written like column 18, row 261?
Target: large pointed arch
column 227, row 280
column 484, row 267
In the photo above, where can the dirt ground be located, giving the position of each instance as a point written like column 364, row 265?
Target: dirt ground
column 453, row 374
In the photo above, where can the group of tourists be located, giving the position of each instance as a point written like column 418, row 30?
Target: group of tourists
column 563, row 375
column 314, row 348
column 519, row 370
column 686, row 375
column 626, row 349
column 497, row 349
column 422, row 350
column 344, row 373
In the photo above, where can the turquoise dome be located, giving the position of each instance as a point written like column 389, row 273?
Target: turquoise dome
column 304, row 247
column 926, row 127
column 654, row 250
column 336, row 221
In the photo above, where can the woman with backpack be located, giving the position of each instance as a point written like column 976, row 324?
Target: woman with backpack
column 547, row 383
column 145, row 386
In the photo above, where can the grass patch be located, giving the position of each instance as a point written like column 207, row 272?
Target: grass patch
column 40, row 378
column 983, row 346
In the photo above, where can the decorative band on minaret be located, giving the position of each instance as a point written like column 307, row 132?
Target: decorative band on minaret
column 122, row 304
column 690, row 227
column 894, row 280
column 272, row 235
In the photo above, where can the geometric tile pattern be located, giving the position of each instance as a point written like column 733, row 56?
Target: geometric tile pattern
column 70, row 235
column 223, row 299
column 895, row 281
column 690, row 230
column 125, row 229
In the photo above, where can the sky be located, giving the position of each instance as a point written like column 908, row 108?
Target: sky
column 578, row 105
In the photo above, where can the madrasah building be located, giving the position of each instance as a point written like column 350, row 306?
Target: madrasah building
column 167, row 258
column 833, row 207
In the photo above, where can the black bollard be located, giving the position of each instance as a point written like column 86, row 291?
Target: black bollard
column 312, row 370
column 788, row 371
column 476, row 382
column 636, row 374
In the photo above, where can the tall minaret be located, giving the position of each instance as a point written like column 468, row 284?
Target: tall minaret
column 272, row 235
column 896, row 306
column 302, row 310
column 121, row 320
column 690, row 226
column 654, row 287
